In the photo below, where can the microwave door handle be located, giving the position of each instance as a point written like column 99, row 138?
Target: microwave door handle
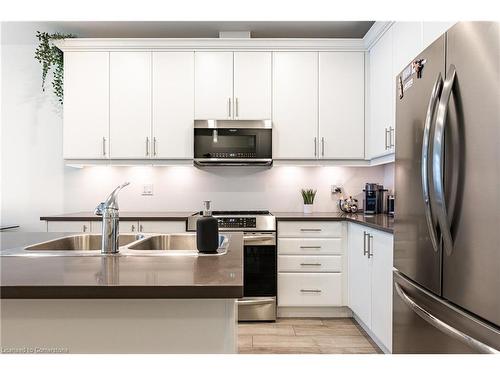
column 439, row 203
column 431, row 109
column 442, row 326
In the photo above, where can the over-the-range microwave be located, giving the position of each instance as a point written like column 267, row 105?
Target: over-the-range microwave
column 233, row 142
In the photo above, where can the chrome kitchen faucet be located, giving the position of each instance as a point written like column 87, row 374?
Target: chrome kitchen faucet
column 110, row 221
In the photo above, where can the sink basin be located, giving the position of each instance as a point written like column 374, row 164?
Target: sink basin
column 81, row 242
column 181, row 242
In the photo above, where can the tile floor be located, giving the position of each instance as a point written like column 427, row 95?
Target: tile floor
column 305, row 336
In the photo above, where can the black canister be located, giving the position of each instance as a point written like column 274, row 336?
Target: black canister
column 207, row 231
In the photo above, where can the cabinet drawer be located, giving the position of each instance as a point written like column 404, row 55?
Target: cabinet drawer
column 309, row 229
column 299, row 263
column 309, row 289
column 309, row 246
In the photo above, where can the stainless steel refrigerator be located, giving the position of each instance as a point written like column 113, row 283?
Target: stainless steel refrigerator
column 446, row 288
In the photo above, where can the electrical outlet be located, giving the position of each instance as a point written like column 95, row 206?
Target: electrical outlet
column 336, row 189
column 147, row 189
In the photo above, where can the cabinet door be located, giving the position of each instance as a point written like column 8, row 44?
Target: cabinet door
column 213, row 85
column 162, row 226
column 252, row 85
column 295, row 105
column 341, row 105
column 68, row 226
column 382, row 95
column 407, row 39
column 382, row 249
column 130, row 104
column 86, row 105
column 173, row 105
column 359, row 275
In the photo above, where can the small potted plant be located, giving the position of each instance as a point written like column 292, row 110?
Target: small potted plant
column 308, row 197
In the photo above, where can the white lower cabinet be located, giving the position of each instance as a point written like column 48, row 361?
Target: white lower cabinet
column 69, row 226
column 126, row 226
column 310, row 289
column 311, row 264
column 370, row 260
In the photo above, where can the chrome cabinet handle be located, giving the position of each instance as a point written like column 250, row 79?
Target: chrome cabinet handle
column 437, row 161
column 147, row 146
column 140, row 228
column 391, row 132
column 364, row 243
column 103, row 146
column 424, row 162
column 237, row 109
column 370, row 253
column 310, row 230
column 84, row 228
column 385, row 138
column 310, row 264
column 323, row 146
column 132, row 228
column 229, row 107
column 442, row 326
column 310, row 247
column 310, row 290
column 315, row 148
column 154, row 146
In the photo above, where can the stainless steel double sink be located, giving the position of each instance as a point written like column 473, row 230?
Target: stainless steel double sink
column 177, row 244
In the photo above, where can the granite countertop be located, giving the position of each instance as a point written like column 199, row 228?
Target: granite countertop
column 124, row 215
column 122, row 276
column 381, row 222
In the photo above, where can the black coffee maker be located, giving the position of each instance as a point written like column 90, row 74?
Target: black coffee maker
column 373, row 202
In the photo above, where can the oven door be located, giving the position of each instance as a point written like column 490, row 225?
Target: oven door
column 260, row 278
column 232, row 143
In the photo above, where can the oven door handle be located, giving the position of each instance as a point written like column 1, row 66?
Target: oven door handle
column 249, row 302
column 257, row 237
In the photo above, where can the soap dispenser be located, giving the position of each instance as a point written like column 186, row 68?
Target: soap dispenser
column 207, row 231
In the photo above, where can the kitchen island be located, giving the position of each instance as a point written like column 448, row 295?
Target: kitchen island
column 119, row 303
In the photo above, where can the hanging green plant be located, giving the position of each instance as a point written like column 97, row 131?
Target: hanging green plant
column 51, row 57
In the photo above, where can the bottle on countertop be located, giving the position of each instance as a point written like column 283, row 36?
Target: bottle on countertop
column 207, row 231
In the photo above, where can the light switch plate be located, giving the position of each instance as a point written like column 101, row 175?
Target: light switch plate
column 147, row 189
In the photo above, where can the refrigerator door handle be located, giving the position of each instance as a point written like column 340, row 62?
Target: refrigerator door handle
column 442, row 326
column 437, row 161
column 429, row 119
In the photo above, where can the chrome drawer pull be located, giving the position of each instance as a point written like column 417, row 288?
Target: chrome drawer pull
column 310, row 264
column 310, row 290
column 310, row 230
column 310, row 247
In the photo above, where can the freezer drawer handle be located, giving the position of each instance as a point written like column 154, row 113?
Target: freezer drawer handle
column 310, row 247
column 442, row 326
column 310, row 230
column 310, row 264
column 439, row 202
column 429, row 119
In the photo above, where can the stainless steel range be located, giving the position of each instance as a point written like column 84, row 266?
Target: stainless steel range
column 260, row 267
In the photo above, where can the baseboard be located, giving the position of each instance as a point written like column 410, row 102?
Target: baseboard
column 371, row 334
column 314, row 312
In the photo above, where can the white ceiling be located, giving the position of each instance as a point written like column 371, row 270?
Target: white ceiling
column 203, row 29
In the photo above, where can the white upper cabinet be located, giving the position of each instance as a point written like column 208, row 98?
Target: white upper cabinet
column 382, row 97
column 407, row 39
column 130, row 105
column 341, row 105
column 295, row 105
column 432, row 30
column 86, row 105
column 252, row 85
column 214, row 85
column 173, row 105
